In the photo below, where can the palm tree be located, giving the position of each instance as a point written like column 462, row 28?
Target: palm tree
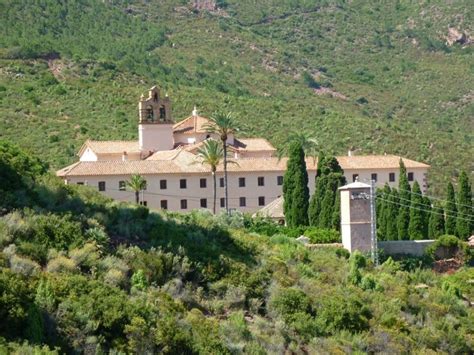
column 211, row 154
column 309, row 143
column 137, row 183
column 224, row 125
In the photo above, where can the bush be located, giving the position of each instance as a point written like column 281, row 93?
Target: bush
column 289, row 301
column 449, row 246
column 62, row 264
column 322, row 235
column 23, row 266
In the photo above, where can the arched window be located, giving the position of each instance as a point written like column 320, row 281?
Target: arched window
column 155, row 97
column 149, row 114
column 162, row 113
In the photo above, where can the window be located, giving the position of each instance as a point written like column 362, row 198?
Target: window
column 101, row 185
column 261, row 181
column 144, row 185
column 410, row 176
column 162, row 184
column 355, row 177
column 261, row 200
column 144, row 203
column 203, row 183
column 204, row 202
column 221, row 182
column 164, row 204
column 122, row 185
column 182, row 183
column 279, row 180
column 149, row 113
column 241, row 182
column 184, row 204
column 222, row 202
column 242, row 202
column 80, row 183
column 391, row 177
column 162, row 113
column 373, row 177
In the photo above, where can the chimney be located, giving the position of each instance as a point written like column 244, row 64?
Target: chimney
column 124, row 156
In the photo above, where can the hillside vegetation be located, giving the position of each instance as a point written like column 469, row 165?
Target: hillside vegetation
column 82, row 273
column 375, row 77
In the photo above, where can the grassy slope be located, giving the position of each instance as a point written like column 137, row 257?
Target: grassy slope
column 419, row 94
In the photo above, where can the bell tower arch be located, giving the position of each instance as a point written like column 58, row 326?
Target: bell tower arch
column 155, row 126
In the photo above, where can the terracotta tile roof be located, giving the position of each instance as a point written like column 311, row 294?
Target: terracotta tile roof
column 274, row 209
column 252, row 144
column 376, row 162
column 180, row 161
column 111, row 147
column 191, row 124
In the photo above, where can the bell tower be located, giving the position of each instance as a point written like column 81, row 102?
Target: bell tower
column 155, row 126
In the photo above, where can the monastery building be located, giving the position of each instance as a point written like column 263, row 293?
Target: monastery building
column 165, row 156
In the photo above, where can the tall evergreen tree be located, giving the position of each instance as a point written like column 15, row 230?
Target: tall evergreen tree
column 403, row 218
column 436, row 223
column 426, row 215
column 336, row 215
column 319, row 188
column 382, row 211
column 465, row 216
column 415, row 227
column 451, row 210
column 295, row 188
column 322, row 205
column 391, row 213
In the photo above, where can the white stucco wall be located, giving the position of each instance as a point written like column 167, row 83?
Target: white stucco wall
column 155, row 137
column 88, row 155
column 419, row 174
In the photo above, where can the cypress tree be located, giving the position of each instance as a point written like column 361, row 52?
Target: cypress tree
column 382, row 210
column 321, row 208
column 403, row 218
column 451, row 210
column 327, row 205
column 415, row 227
column 295, row 188
column 391, row 213
column 336, row 215
column 465, row 216
column 426, row 215
column 436, row 223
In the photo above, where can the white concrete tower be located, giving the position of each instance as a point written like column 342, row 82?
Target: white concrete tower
column 356, row 217
column 155, row 127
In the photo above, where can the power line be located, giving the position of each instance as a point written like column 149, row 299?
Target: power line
column 424, row 210
column 433, row 197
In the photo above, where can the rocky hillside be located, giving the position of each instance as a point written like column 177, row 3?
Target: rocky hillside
column 376, row 78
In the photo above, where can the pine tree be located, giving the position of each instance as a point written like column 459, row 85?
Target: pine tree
column 451, row 211
column 415, row 227
column 436, row 223
column 403, row 218
column 465, row 216
column 295, row 188
column 391, row 213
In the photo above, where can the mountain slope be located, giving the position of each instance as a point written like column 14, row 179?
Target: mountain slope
column 375, row 78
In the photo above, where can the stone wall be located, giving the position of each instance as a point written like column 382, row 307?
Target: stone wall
column 407, row 247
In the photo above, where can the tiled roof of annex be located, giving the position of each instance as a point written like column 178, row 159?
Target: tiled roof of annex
column 180, row 161
column 111, row 147
column 357, row 162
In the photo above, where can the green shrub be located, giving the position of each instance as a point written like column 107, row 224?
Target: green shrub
column 322, row 235
column 289, row 301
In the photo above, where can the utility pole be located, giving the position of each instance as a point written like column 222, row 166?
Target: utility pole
column 373, row 225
